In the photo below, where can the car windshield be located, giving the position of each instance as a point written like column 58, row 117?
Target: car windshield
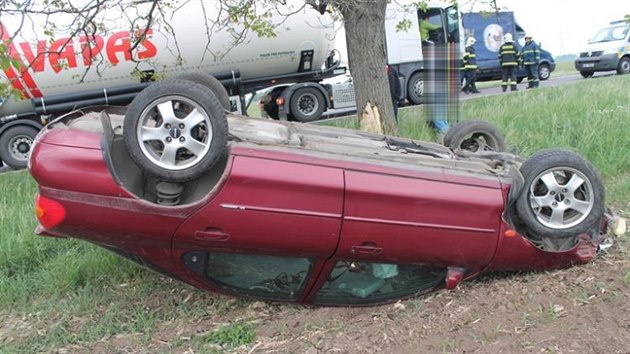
column 609, row 34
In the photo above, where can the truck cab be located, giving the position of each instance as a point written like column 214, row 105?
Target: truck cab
column 607, row 50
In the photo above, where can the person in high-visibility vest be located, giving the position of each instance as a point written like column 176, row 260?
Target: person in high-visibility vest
column 470, row 67
column 508, row 57
column 530, row 57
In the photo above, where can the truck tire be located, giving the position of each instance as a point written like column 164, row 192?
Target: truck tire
column 415, row 88
column 544, row 71
column 586, row 74
column 624, row 66
column 210, row 82
column 307, row 104
column 474, row 136
column 16, row 144
column 175, row 130
column 563, row 195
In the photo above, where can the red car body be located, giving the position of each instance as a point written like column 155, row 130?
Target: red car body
column 329, row 210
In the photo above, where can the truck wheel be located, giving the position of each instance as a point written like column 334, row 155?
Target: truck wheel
column 474, row 136
column 544, row 72
column 210, row 82
column 415, row 88
column 175, row 130
column 15, row 146
column 586, row 74
column 307, row 104
column 563, row 195
column 624, row 66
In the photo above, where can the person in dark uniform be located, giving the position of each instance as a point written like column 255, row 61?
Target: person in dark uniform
column 508, row 57
column 530, row 56
column 470, row 67
column 394, row 88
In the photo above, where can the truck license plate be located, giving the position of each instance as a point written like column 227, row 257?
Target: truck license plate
column 588, row 65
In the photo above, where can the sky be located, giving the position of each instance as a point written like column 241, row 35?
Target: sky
column 563, row 26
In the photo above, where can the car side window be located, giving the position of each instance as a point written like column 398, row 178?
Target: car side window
column 261, row 276
column 365, row 283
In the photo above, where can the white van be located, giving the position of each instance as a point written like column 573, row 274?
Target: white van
column 608, row 50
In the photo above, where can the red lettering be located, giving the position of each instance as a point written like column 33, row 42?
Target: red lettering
column 62, row 55
column 91, row 46
column 150, row 51
column 35, row 61
column 119, row 43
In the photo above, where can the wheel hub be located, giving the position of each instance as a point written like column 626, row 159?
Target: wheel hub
column 175, row 133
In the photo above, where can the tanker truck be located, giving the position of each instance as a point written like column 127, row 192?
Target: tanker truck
column 50, row 78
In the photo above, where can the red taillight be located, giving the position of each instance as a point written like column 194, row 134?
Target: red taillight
column 50, row 213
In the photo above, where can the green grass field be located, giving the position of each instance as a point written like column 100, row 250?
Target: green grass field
column 68, row 295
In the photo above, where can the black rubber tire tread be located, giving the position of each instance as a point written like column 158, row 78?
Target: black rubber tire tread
column 210, row 82
column 202, row 96
column 7, row 136
column 458, row 132
column 620, row 67
column 544, row 160
column 586, row 74
column 544, row 65
column 411, row 93
column 295, row 112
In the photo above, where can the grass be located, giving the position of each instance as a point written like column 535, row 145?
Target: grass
column 57, row 294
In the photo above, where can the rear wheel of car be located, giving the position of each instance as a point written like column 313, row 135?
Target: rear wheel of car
column 475, row 136
column 586, row 74
column 176, row 130
column 544, row 72
column 307, row 104
column 210, row 82
column 415, row 88
column 563, row 195
column 624, row 66
column 16, row 144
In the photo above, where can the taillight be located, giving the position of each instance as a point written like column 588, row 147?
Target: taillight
column 50, row 213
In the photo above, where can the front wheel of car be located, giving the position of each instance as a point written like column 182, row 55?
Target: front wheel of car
column 624, row 66
column 176, row 130
column 544, row 72
column 475, row 136
column 563, row 195
column 586, row 74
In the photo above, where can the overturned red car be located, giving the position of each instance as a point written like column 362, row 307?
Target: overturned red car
column 301, row 213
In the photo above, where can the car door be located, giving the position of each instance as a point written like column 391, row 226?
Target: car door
column 400, row 234
column 266, row 232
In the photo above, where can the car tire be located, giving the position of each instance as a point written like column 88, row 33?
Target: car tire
column 474, row 136
column 624, row 66
column 415, row 88
column 544, row 71
column 16, row 144
column 586, row 74
column 307, row 104
column 210, row 82
column 176, row 130
column 563, row 195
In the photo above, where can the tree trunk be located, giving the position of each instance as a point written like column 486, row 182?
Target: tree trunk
column 365, row 37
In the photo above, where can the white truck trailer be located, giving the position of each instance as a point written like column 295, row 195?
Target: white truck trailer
column 73, row 72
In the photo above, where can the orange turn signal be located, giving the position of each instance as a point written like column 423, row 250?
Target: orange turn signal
column 50, row 213
column 509, row 233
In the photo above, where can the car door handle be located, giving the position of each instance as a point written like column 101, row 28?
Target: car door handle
column 371, row 250
column 211, row 234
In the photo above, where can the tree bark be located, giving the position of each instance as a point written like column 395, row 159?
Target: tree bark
column 365, row 37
